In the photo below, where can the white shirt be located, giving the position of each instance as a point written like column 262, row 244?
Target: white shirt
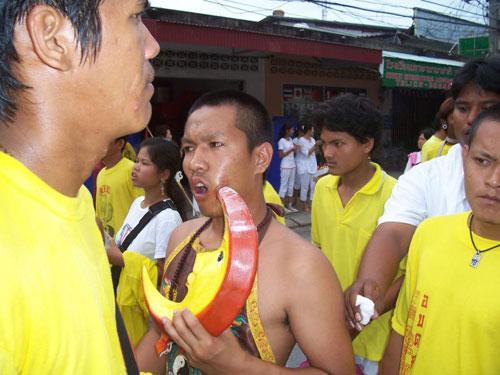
column 152, row 240
column 432, row 188
column 306, row 163
column 285, row 145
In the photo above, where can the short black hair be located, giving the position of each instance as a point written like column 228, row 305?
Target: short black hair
column 482, row 72
column 83, row 15
column 427, row 132
column 354, row 115
column 492, row 113
column 252, row 117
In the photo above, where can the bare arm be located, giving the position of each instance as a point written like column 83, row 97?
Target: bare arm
column 392, row 356
column 388, row 245
column 145, row 353
column 316, row 315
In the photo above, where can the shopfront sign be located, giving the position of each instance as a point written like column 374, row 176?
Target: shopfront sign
column 399, row 72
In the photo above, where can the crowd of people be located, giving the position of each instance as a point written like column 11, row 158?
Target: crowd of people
column 400, row 277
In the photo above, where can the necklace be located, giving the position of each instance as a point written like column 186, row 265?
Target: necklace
column 477, row 255
column 172, row 292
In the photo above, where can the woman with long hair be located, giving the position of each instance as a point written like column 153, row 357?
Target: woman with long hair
column 158, row 160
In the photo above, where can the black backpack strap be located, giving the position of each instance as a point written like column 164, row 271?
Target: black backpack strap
column 128, row 353
column 152, row 212
column 148, row 216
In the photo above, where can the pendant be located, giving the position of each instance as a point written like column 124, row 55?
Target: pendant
column 475, row 259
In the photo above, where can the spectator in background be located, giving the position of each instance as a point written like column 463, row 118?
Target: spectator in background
column 286, row 151
column 433, row 188
column 443, row 138
column 296, row 182
column 157, row 163
column 307, row 166
column 415, row 157
column 114, row 189
column 349, row 201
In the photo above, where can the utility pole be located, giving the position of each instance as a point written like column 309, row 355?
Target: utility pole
column 494, row 13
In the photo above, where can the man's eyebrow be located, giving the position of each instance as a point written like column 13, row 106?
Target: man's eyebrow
column 486, row 155
column 205, row 137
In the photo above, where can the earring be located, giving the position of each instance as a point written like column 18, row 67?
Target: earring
column 162, row 187
column 444, row 126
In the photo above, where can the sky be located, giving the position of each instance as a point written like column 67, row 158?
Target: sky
column 347, row 11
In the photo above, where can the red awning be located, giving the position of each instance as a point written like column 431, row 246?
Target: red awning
column 168, row 32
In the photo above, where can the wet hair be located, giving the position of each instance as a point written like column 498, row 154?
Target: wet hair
column 427, row 132
column 286, row 126
column 165, row 155
column 83, row 15
column 482, row 72
column 252, row 117
column 492, row 114
column 354, row 115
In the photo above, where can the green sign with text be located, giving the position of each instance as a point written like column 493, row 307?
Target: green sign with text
column 417, row 74
column 474, row 47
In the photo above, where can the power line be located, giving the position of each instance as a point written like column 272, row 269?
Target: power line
column 330, row 4
column 453, row 8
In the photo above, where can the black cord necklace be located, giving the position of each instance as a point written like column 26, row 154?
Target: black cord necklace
column 477, row 255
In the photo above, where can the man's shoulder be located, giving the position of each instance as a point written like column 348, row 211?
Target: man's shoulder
column 185, row 229
column 443, row 223
column 289, row 247
column 327, row 181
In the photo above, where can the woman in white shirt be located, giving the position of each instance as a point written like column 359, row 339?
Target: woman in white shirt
column 286, row 149
column 157, row 163
column 306, row 166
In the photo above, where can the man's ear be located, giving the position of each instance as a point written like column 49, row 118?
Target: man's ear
column 368, row 145
column 52, row 36
column 263, row 155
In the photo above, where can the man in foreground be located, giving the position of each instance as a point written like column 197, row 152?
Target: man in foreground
column 297, row 297
column 430, row 189
column 446, row 320
column 62, row 101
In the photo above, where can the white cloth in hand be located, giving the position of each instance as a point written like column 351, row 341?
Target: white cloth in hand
column 366, row 308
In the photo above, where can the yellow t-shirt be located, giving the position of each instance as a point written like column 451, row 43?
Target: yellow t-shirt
column 129, row 152
column 271, row 196
column 342, row 234
column 434, row 147
column 114, row 194
column 448, row 311
column 57, row 314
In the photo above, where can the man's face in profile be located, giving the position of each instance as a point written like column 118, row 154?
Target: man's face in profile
column 117, row 86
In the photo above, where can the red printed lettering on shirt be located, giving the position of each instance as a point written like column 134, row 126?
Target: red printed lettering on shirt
column 104, row 189
column 421, row 318
column 425, row 301
column 416, row 341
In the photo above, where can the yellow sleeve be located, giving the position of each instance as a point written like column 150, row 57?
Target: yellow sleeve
column 408, row 288
column 7, row 366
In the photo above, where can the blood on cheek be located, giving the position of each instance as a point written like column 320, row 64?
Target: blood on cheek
column 221, row 174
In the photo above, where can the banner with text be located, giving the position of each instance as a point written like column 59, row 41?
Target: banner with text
column 417, row 74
